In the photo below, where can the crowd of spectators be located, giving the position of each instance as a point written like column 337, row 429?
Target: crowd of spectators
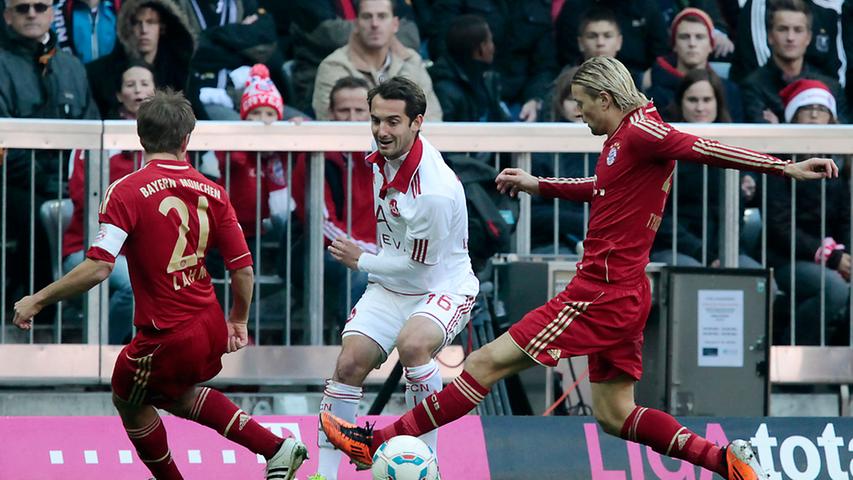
column 703, row 61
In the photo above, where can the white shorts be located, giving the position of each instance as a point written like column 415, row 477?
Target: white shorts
column 380, row 315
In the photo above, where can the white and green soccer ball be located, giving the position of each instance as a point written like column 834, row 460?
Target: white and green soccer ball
column 404, row 458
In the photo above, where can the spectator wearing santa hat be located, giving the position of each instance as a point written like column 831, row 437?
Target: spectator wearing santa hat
column 692, row 41
column 811, row 102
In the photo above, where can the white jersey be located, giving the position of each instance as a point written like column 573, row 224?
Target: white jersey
column 421, row 216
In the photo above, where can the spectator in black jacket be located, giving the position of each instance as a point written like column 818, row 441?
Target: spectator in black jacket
column 151, row 31
column 640, row 22
column 808, row 101
column 752, row 49
column 37, row 80
column 466, row 86
column 789, row 26
column 525, row 53
column 692, row 43
column 599, row 33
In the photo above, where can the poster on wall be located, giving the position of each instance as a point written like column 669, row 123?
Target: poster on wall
column 720, row 329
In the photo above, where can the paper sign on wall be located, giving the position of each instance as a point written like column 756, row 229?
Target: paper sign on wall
column 720, row 328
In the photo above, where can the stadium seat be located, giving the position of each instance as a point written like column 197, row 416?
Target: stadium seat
column 55, row 217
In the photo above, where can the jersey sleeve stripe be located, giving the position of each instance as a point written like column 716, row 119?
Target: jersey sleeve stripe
column 656, row 126
column 238, row 257
column 738, row 159
column 651, row 125
column 415, row 246
column 565, row 181
column 424, row 252
column 648, row 130
column 746, row 153
column 740, row 152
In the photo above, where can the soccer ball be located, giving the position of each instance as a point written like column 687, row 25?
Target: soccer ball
column 404, row 458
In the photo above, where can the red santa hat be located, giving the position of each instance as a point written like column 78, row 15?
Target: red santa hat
column 805, row 92
column 260, row 91
column 696, row 13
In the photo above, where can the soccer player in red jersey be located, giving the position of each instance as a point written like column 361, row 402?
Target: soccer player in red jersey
column 603, row 311
column 164, row 217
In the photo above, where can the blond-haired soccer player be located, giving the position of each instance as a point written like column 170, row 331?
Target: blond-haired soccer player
column 164, row 217
column 603, row 311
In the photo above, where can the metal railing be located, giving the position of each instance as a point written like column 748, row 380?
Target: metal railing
column 519, row 141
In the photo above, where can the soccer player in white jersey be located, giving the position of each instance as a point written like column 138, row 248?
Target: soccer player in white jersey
column 421, row 286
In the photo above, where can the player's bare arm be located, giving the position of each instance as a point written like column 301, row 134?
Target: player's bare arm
column 812, row 169
column 346, row 251
column 80, row 279
column 242, row 284
column 514, row 180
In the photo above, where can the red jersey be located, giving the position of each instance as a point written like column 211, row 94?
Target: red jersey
column 335, row 213
column 243, row 184
column 628, row 193
column 166, row 216
column 121, row 164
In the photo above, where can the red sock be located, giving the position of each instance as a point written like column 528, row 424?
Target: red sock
column 666, row 436
column 213, row 409
column 455, row 401
column 153, row 449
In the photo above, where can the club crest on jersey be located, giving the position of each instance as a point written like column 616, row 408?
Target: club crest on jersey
column 394, row 210
column 611, row 155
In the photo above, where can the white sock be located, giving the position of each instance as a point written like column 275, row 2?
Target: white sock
column 421, row 382
column 341, row 401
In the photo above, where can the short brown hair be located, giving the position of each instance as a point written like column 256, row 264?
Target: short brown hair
column 348, row 82
column 164, row 121
column 788, row 6
column 598, row 14
column 401, row 88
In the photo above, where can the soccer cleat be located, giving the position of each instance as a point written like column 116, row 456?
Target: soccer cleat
column 354, row 441
column 316, row 476
column 286, row 461
column 742, row 462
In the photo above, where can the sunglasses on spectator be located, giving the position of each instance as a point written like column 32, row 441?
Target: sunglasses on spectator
column 24, row 8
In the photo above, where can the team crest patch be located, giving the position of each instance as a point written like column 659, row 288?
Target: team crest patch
column 394, row 210
column 611, row 155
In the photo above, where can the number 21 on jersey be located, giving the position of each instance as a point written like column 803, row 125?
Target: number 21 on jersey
column 179, row 261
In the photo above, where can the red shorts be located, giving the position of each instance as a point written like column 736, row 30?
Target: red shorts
column 589, row 318
column 158, row 367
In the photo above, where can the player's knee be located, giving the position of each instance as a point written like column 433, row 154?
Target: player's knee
column 351, row 368
column 609, row 423
column 480, row 364
column 415, row 350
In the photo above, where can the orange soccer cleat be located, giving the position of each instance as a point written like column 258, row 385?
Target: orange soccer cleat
column 742, row 462
column 354, row 441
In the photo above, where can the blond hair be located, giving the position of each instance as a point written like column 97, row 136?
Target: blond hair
column 606, row 74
